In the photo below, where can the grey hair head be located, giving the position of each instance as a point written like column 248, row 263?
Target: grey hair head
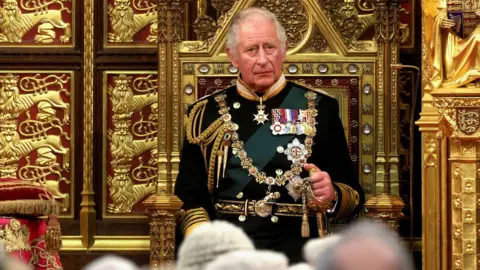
column 358, row 234
column 251, row 13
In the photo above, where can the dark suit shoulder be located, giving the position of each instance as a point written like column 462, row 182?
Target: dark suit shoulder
column 211, row 97
column 319, row 91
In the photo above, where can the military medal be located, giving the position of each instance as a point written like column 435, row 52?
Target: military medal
column 296, row 152
column 261, row 116
column 289, row 121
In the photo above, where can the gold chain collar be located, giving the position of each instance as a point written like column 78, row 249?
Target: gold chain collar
column 232, row 137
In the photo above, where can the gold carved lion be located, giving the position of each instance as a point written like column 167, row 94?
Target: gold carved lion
column 12, row 103
column 14, row 24
column 125, row 23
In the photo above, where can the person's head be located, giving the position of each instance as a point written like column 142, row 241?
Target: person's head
column 366, row 245
column 316, row 246
column 249, row 259
column 208, row 241
column 257, row 46
column 111, row 262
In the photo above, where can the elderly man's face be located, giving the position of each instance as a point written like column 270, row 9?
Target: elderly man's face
column 258, row 55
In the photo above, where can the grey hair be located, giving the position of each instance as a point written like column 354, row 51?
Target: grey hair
column 249, row 13
column 359, row 232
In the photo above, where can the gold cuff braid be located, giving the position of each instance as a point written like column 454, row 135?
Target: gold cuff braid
column 193, row 216
column 349, row 200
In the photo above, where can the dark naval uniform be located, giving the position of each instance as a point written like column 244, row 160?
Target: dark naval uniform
column 240, row 169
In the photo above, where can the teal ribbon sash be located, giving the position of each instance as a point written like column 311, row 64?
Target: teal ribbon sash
column 261, row 147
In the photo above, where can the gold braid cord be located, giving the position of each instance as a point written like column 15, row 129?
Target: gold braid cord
column 194, row 216
column 213, row 134
column 349, row 200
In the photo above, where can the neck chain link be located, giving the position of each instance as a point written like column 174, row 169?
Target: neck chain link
column 238, row 150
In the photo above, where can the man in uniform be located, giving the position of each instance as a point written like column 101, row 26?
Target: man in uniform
column 267, row 154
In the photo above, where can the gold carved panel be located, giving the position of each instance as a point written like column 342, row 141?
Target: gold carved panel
column 32, row 23
column 130, row 145
column 465, row 199
column 130, row 23
column 36, row 132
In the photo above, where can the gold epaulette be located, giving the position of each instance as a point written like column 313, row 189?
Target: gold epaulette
column 349, row 200
column 204, row 137
column 309, row 87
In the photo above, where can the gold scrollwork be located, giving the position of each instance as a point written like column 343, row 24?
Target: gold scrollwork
column 128, row 17
column 47, row 94
column 124, row 148
column 222, row 5
column 14, row 23
column 346, row 19
column 292, row 15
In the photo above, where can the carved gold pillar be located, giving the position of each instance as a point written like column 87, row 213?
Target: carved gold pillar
column 387, row 205
column 434, row 245
column 394, row 42
column 381, row 37
column 451, row 181
column 163, row 207
column 87, row 212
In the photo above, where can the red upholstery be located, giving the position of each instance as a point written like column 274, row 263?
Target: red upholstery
column 21, row 232
column 18, row 197
column 24, row 239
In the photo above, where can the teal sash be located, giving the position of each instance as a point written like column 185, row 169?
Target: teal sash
column 261, row 147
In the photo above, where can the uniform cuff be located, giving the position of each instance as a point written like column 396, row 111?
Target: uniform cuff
column 194, row 216
column 347, row 202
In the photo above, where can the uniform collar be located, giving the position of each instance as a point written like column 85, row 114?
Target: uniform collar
column 248, row 93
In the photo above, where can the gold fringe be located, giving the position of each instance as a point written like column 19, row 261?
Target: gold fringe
column 29, row 207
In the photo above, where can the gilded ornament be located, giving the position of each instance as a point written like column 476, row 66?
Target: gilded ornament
column 468, row 120
column 292, row 15
column 222, row 5
column 205, row 27
column 337, row 68
column 346, row 19
column 128, row 17
column 128, row 96
column 189, row 69
column 367, row 109
column 367, row 68
column 31, row 138
column 16, row 22
column 307, row 68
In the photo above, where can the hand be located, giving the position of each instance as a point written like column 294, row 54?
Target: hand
column 477, row 12
column 447, row 23
column 322, row 186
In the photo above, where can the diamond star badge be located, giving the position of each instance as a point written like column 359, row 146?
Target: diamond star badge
column 260, row 117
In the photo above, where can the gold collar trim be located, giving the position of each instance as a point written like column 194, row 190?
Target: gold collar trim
column 245, row 91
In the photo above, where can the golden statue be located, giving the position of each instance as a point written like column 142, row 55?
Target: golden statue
column 455, row 61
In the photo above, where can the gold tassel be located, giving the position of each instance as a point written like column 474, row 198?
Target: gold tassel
column 53, row 239
column 322, row 230
column 219, row 165
column 305, row 225
column 225, row 156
